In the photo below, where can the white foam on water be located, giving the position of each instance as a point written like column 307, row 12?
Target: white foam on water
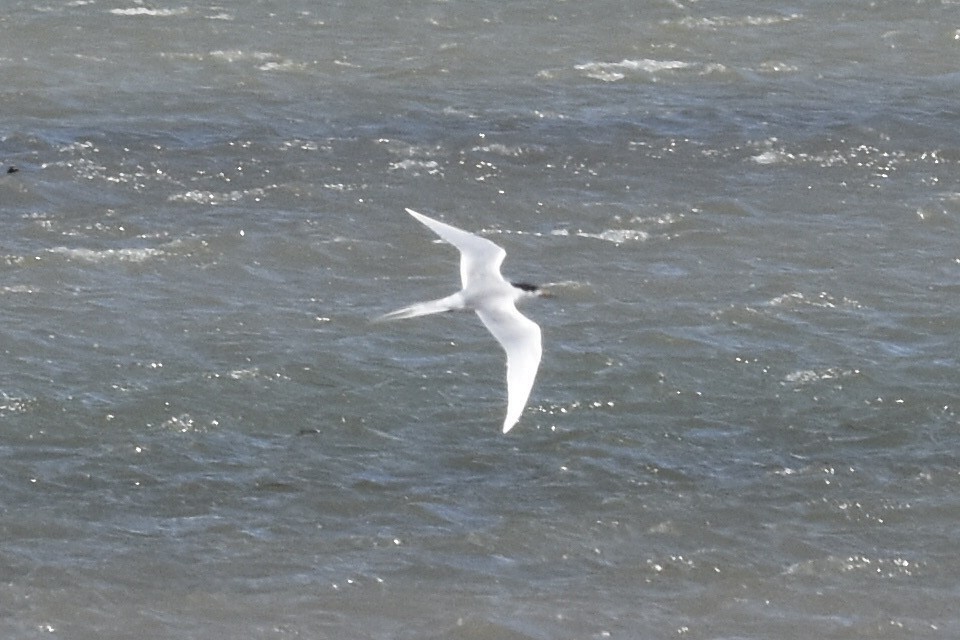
column 613, row 71
column 141, row 254
column 146, row 11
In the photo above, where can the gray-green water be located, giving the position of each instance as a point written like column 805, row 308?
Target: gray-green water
column 745, row 421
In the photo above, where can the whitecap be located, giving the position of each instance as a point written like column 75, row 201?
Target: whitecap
column 613, row 71
column 823, row 300
column 282, row 65
column 103, row 255
column 17, row 288
column 214, row 198
column 146, row 11
column 713, row 23
column 812, row 375
column 229, row 55
column 770, row 157
column 431, row 167
column 616, row 236
column 510, row 151
column 15, row 404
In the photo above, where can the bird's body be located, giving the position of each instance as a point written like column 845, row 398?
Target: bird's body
column 494, row 301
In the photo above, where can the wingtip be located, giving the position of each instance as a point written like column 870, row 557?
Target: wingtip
column 508, row 425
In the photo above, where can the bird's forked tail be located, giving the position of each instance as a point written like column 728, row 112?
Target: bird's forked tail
column 450, row 303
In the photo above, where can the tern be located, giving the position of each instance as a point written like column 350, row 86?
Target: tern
column 494, row 300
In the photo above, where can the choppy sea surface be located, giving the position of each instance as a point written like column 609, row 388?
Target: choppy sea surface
column 745, row 424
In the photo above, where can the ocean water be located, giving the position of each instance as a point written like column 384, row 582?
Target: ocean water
column 745, row 423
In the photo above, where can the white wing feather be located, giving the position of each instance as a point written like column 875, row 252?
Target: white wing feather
column 480, row 259
column 520, row 338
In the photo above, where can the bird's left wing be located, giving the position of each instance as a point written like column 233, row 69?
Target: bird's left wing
column 479, row 258
column 520, row 338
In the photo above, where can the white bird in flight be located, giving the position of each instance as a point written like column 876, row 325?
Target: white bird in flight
column 493, row 299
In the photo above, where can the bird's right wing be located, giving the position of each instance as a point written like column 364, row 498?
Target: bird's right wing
column 520, row 338
column 479, row 258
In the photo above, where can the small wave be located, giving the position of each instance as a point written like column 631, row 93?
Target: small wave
column 822, row 300
column 878, row 162
column 267, row 61
column 577, row 405
column 17, row 288
column 775, row 66
column 509, row 151
column 283, row 65
column 567, row 284
column 890, row 567
column 214, row 198
column 617, row 236
column 725, row 22
column 106, row 255
column 146, row 11
column 416, row 167
column 230, row 55
column 244, row 374
column 302, row 145
column 15, row 404
column 183, row 423
column 614, row 71
column 808, row 376
column 771, row 157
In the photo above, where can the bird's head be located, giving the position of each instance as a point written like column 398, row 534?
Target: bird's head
column 528, row 290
